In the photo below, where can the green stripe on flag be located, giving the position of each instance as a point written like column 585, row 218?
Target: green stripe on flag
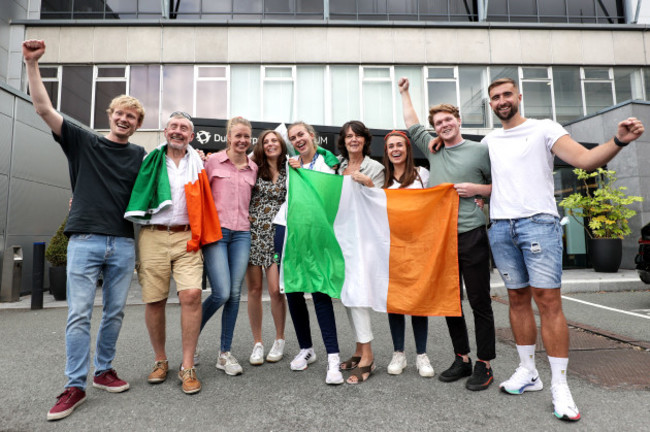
column 312, row 260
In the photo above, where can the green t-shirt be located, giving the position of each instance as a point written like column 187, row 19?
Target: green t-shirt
column 467, row 162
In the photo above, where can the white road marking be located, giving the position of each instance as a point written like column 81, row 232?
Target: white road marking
column 607, row 307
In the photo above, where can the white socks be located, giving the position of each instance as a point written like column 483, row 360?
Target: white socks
column 558, row 369
column 527, row 356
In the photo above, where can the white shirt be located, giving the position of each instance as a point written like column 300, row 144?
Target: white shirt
column 176, row 214
column 522, row 169
column 418, row 183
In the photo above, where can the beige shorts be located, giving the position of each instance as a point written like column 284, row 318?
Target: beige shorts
column 163, row 254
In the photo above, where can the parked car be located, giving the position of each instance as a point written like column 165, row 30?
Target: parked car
column 642, row 258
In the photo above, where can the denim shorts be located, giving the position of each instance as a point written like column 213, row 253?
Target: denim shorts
column 528, row 251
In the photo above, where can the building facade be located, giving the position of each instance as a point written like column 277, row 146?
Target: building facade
column 329, row 61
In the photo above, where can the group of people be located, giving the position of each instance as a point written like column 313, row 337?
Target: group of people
column 245, row 197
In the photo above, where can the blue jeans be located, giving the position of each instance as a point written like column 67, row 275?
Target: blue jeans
column 420, row 330
column 226, row 262
column 528, row 251
column 88, row 255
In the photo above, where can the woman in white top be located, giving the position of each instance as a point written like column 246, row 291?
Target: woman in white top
column 401, row 173
column 302, row 137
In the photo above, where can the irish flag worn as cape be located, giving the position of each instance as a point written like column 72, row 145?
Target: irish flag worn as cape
column 393, row 250
column 151, row 194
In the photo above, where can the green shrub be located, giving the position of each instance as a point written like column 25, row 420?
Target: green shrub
column 57, row 251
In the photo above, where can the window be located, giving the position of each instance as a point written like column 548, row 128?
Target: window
column 76, row 92
column 51, row 76
column 177, row 90
column 278, row 96
column 310, row 94
column 377, row 96
column 628, row 84
column 110, row 81
column 537, row 91
column 597, row 89
column 345, row 93
column 245, row 85
column 473, row 96
column 144, row 84
column 211, row 90
column 442, row 86
column 568, row 93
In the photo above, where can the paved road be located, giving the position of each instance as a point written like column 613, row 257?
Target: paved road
column 272, row 397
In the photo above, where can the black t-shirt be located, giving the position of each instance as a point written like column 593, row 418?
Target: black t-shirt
column 102, row 174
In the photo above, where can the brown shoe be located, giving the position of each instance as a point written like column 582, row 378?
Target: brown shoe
column 159, row 372
column 191, row 383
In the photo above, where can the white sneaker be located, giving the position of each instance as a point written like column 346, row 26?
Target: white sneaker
column 197, row 356
column 397, row 364
column 522, row 380
column 563, row 406
column 277, row 351
column 257, row 357
column 423, row 366
column 304, row 358
column 229, row 364
column 334, row 375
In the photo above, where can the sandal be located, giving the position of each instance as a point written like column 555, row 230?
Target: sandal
column 350, row 363
column 362, row 373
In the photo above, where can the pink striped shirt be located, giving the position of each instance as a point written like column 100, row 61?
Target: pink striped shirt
column 231, row 190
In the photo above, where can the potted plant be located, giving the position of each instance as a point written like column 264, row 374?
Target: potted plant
column 606, row 211
column 57, row 255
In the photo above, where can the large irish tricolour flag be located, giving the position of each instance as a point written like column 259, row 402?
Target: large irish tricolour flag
column 391, row 250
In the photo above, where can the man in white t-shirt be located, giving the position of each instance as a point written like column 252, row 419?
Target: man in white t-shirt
column 526, row 236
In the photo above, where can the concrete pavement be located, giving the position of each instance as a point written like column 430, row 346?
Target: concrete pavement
column 272, row 397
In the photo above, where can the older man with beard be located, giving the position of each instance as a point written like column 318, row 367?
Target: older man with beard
column 526, row 236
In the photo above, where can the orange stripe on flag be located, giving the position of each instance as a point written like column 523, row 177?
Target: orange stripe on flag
column 202, row 213
column 423, row 230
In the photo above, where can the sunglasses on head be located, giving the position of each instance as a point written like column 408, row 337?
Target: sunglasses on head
column 181, row 113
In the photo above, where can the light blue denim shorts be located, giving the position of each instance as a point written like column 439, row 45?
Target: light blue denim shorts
column 528, row 251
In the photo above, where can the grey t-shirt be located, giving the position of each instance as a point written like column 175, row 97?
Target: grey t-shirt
column 102, row 174
column 468, row 162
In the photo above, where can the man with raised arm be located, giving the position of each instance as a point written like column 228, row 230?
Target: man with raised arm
column 102, row 173
column 526, row 236
column 466, row 164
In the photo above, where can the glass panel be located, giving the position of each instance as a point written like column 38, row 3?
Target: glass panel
column 111, row 72
column 646, row 79
column 48, row 72
column 497, row 72
column 537, row 100
column 581, row 8
column 473, row 106
column 568, row 96
column 118, row 7
column 369, row 72
column 403, row 7
column 149, row 6
column 309, row 6
column 371, row 6
column 552, row 8
column 343, row 7
column 247, row 6
column 104, row 94
column 461, row 8
column 144, row 84
column 212, row 99
column 311, row 94
column 245, row 92
column 212, row 72
column 441, row 73
column 598, row 96
column 56, row 5
column 76, row 91
column 628, row 84
column 596, row 73
column 88, row 6
column 442, row 92
column 414, row 75
column 52, row 89
column 345, row 94
column 535, row 72
column 177, row 90
column 497, row 10
column 217, row 6
column 278, row 101
column 523, row 7
column 278, row 6
column 574, row 250
column 277, row 72
column 434, row 7
column 378, row 105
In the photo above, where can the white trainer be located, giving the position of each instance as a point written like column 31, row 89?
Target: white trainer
column 277, row 351
column 229, row 364
column 257, row 357
column 522, row 380
column 305, row 357
column 423, row 366
column 563, row 406
column 397, row 364
column 334, row 375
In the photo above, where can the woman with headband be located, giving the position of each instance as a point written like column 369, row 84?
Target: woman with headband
column 401, row 173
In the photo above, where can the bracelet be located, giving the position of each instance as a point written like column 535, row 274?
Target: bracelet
column 619, row 143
